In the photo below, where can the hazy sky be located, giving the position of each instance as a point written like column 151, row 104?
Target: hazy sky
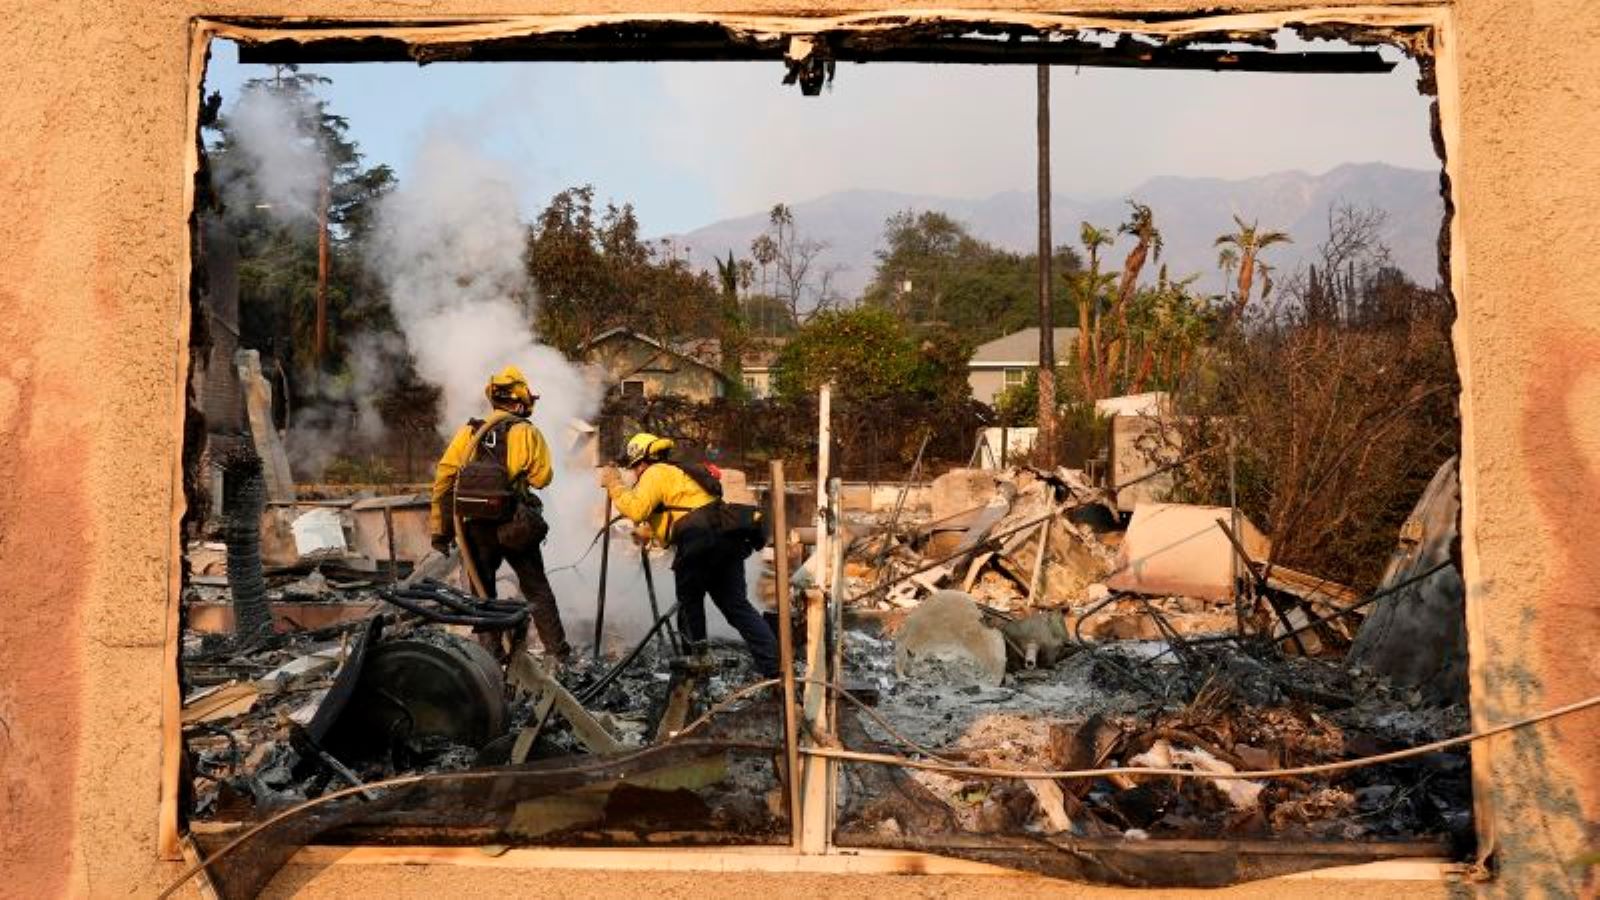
column 691, row 143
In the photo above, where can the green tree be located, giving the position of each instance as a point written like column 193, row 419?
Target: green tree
column 289, row 258
column 932, row 272
column 1167, row 324
column 594, row 273
column 731, row 327
column 866, row 352
column 943, row 355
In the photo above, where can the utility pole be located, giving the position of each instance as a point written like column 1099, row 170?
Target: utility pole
column 320, row 339
column 1045, row 448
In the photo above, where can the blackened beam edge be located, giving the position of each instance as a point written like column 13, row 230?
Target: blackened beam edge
column 631, row 48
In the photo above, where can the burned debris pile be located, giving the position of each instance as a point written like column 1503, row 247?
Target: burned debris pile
column 992, row 621
column 378, row 669
column 1017, row 623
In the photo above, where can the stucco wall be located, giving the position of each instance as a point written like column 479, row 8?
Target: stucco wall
column 986, row 384
column 93, row 138
column 662, row 373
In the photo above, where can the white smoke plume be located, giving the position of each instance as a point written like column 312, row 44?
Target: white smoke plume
column 449, row 247
column 276, row 163
column 342, row 415
column 279, row 151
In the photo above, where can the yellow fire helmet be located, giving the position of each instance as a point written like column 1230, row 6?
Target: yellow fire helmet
column 645, row 446
column 509, row 384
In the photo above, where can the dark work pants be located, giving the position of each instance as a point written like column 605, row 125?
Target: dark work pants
column 722, row 576
column 487, row 554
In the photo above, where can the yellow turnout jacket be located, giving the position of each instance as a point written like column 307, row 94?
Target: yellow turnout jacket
column 526, row 453
column 660, row 485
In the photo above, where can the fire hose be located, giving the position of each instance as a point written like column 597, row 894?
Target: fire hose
column 445, row 605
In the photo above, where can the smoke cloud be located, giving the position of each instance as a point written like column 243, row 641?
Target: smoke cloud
column 277, row 148
column 449, row 248
column 342, row 411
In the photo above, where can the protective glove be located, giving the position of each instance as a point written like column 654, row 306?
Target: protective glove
column 609, row 477
column 442, row 543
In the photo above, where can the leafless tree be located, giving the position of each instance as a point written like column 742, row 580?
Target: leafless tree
column 790, row 267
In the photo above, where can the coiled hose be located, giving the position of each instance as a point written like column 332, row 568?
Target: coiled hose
column 441, row 603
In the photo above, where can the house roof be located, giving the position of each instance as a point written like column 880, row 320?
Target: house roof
column 761, row 353
column 1020, row 348
column 690, row 351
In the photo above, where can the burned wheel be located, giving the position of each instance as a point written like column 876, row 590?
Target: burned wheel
column 435, row 686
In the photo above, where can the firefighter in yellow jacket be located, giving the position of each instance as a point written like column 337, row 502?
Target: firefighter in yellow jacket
column 671, row 499
column 486, row 482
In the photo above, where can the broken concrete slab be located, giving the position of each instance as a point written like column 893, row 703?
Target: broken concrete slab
column 1140, row 446
column 1149, row 404
column 1173, row 549
column 319, row 532
column 944, row 640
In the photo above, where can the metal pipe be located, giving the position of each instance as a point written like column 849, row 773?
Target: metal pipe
column 669, row 640
column 593, row 691
column 833, row 638
column 791, row 738
column 899, row 505
column 1233, row 518
column 819, row 574
column 1182, row 461
column 605, row 568
column 835, row 633
column 1261, row 584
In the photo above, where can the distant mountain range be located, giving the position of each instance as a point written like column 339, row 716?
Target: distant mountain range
column 1191, row 213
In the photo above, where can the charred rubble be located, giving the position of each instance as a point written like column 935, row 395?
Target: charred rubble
column 1000, row 619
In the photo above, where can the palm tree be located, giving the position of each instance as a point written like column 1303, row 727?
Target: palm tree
column 1147, row 245
column 1088, row 286
column 1227, row 261
column 1250, row 241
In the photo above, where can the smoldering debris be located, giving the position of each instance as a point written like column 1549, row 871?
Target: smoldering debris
column 1052, row 670
column 1165, row 642
column 390, row 694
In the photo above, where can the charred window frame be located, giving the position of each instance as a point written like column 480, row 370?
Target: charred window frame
column 810, row 50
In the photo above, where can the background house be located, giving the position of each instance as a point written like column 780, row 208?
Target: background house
column 637, row 365
column 755, row 366
column 1005, row 361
